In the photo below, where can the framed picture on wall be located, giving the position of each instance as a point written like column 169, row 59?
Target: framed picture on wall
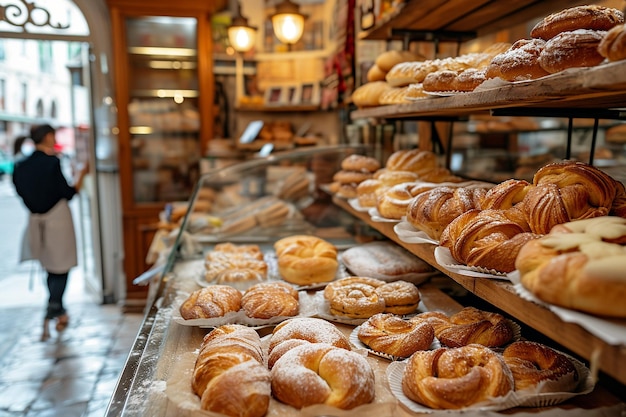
column 274, row 96
column 310, row 93
column 292, row 94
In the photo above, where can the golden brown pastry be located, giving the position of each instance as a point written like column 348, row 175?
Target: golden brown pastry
column 388, row 59
column 415, row 91
column 209, row 302
column 252, row 250
column 431, row 211
column 581, row 17
column 533, row 363
column 360, row 163
column 406, row 73
column 469, row 79
column 579, row 265
column 270, row 299
column 305, row 259
column 471, row 325
column 443, row 80
column 520, row 62
column 578, row 48
column 229, row 374
column 506, row 194
column 390, row 334
column 413, row 160
column 396, row 95
column 308, row 374
column 368, row 95
column 374, row 73
column 453, row 378
column 487, row 238
column 331, row 289
column 392, row 203
column 613, row 44
column 356, row 301
column 401, row 297
column 367, row 192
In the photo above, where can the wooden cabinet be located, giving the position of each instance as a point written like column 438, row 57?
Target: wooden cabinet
column 164, row 92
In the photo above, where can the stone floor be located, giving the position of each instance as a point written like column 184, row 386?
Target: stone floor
column 72, row 374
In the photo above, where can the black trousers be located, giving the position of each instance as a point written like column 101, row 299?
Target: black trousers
column 56, row 289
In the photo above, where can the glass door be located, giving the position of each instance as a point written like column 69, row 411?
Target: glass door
column 163, row 107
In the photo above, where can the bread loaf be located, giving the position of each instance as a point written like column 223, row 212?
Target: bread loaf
column 305, row 259
column 581, row 17
column 613, row 45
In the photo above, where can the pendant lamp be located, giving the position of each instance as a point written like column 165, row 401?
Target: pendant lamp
column 288, row 22
column 241, row 35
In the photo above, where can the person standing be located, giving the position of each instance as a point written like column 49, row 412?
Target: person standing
column 51, row 238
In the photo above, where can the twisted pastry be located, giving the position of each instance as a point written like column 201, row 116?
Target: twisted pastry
column 453, row 378
column 356, row 301
column 532, row 364
column 270, row 299
column 433, row 210
column 308, row 374
column 390, row 334
column 304, row 259
column 309, row 329
column 209, row 302
column 506, row 195
column 487, row 238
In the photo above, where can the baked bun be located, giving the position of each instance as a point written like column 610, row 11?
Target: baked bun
column 578, row 48
column 392, row 202
column 401, row 297
column 613, row 44
column 520, row 62
column 390, row 334
column 357, row 301
column 443, row 80
column 270, row 299
column 229, row 374
column 331, row 289
column 407, row 73
column 209, row 302
column 540, row 368
column 396, row 95
column 367, row 192
column 368, row 95
column 453, row 378
column 414, row 160
column 388, row 59
column 579, row 265
column 581, row 17
column 375, row 74
column 308, row 374
column 305, row 259
column 360, row 163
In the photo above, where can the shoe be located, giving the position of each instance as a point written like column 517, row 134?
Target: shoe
column 62, row 322
column 46, row 330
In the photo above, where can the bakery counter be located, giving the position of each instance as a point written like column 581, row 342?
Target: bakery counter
column 607, row 357
column 600, row 87
column 156, row 380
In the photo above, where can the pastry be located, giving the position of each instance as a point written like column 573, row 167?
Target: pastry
column 396, row 95
column 579, row 265
column 453, row 378
column 392, row 203
column 229, row 374
column 305, row 259
column 331, row 289
column 307, row 375
column 581, row 17
column 374, row 73
column 613, row 45
column 578, row 48
column 520, row 62
column 443, row 80
column 367, row 192
column 219, row 263
column 209, row 302
column 540, row 368
column 388, row 59
column 406, row 73
column 413, row 160
column 401, row 297
column 368, row 95
column 390, row 334
column 360, row 163
column 270, row 299
column 356, row 301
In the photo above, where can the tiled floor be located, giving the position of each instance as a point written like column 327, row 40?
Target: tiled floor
column 73, row 373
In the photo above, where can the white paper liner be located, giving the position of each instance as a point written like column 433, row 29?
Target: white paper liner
column 356, row 342
column 445, row 93
column 446, row 261
column 376, row 217
column 612, row 332
column 394, row 377
column 308, row 308
column 409, row 234
column 354, row 203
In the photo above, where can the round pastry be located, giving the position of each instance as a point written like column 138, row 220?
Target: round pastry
column 305, row 259
column 245, row 338
column 375, row 74
column 613, row 44
column 456, row 378
column 579, row 265
column 368, row 95
column 473, row 326
column 331, row 289
column 251, row 250
column 414, row 160
column 538, row 367
column 393, row 202
column 308, row 374
column 356, row 301
column 520, row 62
column 390, row 334
column 401, row 297
column 240, row 279
column 351, row 177
column 367, row 192
column 578, row 48
column 309, row 329
column 443, row 80
column 218, row 263
column 390, row 178
column 582, row 17
column 268, row 300
column 346, row 190
column 209, row 302
column 469, row 79
column 360, row 163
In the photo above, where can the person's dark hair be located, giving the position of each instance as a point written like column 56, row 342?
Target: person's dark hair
column 37, row 133
column 17, row 144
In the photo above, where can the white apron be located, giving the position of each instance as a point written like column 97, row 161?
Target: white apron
column 50, row 239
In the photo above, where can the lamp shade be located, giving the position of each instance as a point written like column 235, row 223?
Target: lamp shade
column 288, row 22
column 241, row 35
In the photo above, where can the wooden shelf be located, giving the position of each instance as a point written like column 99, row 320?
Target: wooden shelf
column 279, row 109
column 480, row 16
column 500, row 293
column 601, row 87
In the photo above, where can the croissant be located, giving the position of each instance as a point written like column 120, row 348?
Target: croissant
column 229, row 375
column 453, row 378
column 471, row 325
column 487, row 238
column 505, row 195
column 390, row 334
column 393, row 202
column 433, row 210
column 209, row 302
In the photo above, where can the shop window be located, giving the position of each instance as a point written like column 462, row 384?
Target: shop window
column 39, row 108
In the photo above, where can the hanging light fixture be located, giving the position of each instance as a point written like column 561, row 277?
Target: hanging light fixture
column 241, row 35
column 288, row 22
